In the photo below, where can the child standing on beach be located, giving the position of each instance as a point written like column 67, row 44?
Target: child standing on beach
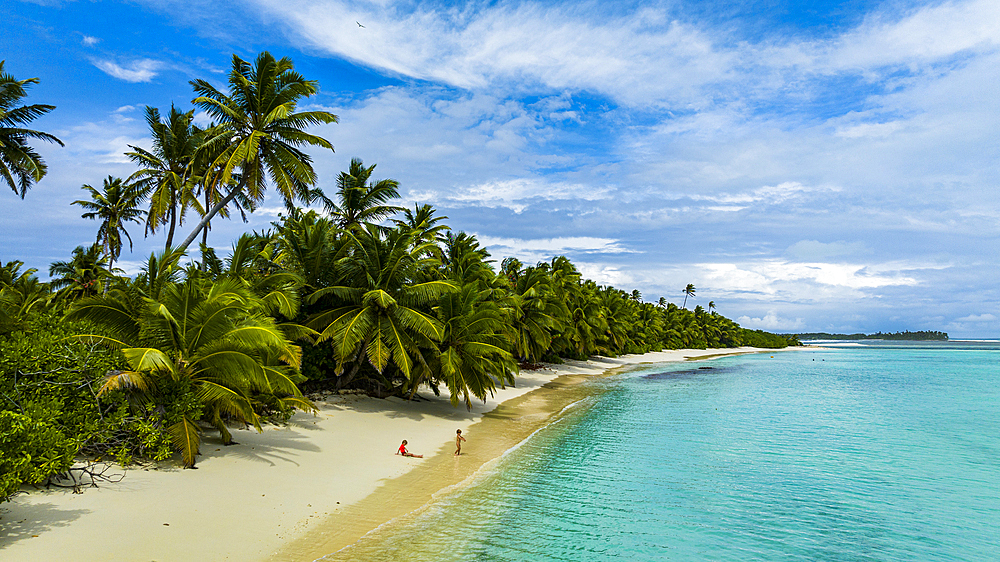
column 458, row 442
column 402, row 451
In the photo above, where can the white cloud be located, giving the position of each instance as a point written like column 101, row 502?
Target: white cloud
column 644, row 57
column 552, row 46
column 90, row 41
column 142, row 70
column 806, row 250
column 769, row 194
column 876, row 130
column 766, row 275
column 771, row 321
column 928, row 34
column 517, row 193
column 605, row 274
column 986, row 317
column 531, row 251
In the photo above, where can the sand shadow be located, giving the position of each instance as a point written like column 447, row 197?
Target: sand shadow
column 266, row 448
column 25, row 521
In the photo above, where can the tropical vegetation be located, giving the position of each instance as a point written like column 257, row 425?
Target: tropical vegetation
column 20, row 165
column 366, row 295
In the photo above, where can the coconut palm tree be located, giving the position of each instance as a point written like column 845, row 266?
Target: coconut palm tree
column 20, row 165
column 711, row 307
column 117, row 204
column 82, row 276
column 309, row 245
column 688, row 292
column 21, row 293
column 259, row 133
column 201, row 335
column 252, row 262
column 165, row 170
column 474, row 357
column 532, row 314
column 463, row 261
column 210, row 193
column 424, row 223
column 361, row 201
column 376, row 318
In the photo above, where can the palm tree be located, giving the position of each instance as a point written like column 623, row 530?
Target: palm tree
column 309, row 245
column 473, row 358
column 203, row 336
column 532, row 314
column 360, row 201
column 21, row 293
column 165, row 169
column 81, row 276
column 688, row 292
column 711, row 306
column 20, row 165
column 463, row 261
column 259, row 133
column 252, row 262
column 212, row 193
column 425, row 226
column 376, row 317
column 662, row 303
column 116, row 205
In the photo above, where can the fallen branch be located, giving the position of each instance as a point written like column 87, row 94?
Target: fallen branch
column 88, row 475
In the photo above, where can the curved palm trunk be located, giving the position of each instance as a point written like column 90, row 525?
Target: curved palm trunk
column 344, row 381
column 420, row 379
column 203, row 223
column 173, row 220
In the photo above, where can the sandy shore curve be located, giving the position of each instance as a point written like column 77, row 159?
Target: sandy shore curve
column 300, row 491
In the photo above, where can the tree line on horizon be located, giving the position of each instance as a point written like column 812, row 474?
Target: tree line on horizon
column 920, row 335
column 363, row 295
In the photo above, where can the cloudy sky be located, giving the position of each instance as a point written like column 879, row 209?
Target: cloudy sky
column 808, row 165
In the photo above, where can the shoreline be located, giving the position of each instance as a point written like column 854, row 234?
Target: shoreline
column 304, row 490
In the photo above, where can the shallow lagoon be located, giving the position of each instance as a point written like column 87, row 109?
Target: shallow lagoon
column 883, row 451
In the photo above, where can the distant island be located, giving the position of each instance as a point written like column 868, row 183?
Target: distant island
column 900, row 336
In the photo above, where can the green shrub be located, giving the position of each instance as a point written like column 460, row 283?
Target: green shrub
column 30, row 452
column 49, row 386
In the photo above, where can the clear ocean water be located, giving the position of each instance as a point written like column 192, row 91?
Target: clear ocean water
column 856, row 453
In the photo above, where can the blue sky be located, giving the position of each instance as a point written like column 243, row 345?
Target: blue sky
column 809, row 166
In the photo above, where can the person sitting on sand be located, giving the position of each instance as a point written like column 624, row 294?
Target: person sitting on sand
column 458, row 442
column 402, row 451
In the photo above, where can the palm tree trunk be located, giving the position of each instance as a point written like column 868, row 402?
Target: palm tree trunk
column 173, row 220
column 344, row 381
column 111, row 268
column 421, row 377
column 209, row 215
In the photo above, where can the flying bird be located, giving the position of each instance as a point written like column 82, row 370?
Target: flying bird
column 359, row 23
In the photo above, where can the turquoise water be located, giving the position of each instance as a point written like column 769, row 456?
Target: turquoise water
column 879, row 452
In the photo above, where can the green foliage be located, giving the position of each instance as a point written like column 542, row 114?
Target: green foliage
column 52, row 381
column 895, row 336
column 258, row 134
column 767, row 340
column 214, row 339
column 30, row 452
column 20, row 165
column 347, row 300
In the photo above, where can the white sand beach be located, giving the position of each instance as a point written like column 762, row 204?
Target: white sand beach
column 249, row 501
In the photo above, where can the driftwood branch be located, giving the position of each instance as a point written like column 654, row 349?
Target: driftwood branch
column 87, row 476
